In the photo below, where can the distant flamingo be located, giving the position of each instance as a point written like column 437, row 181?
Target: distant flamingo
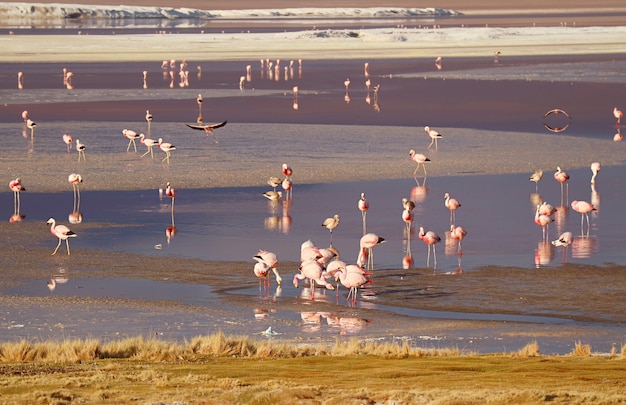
column 171, row 193
column 618, row 114
column 543, row 221
column 287, row 171
column 452, row 204
column 20, row 80
column 330, row 224
column 536, row 177
column 62, row 232
column 25, row 116
column 363, row 206
column 131, row 136
column 80, row 147
column 17, row 187
column 149, row 120
column 562, row 177
column 420, row 160
column 458, row 233
column 595, row 169
column 75, row 179
column 434, row 136
column 584, row 208
column 366, row 254
column 546, row 209
column 430, row 238
column 347, row 84
column 209, row 128
column 199, row 101
column 313, row 271
column 150, row 143
column 274, row 182
column 352, row 277
column 167, row 148
column 287, row 187
column 30, row 124
column 68, row 141
column 407, row 217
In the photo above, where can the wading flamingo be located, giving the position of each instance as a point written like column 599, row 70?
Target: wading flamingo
column 30, row 124
column 150, row 143
column 274, row 182
column 167, row 148
column 131, row 136
column 452, row 204
column 80, row 147
column 543, row 221
column 62, row 232
column 287, row 187
column 171, row 193
column 17, row 187
column 458, row 233
column 271, row 261
column 536, row 177
column 363, row 206
column 287, row 171
column 149, row 120
column 564, row 240
column 430, row 238
column 618, row 114
column 68, row 141
column 562, row 177
column 75, row 179
column 407, row 217
column 434, row 136
column 595, row 169
column 352, row 277
column 583, row 208
column 365, row 257
column 330, row 224
column 420, row 160
column 312, row 270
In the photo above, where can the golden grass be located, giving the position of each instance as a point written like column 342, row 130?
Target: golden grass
column 232, row 369
column 581, row 350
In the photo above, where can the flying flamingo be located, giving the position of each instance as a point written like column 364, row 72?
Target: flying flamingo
column 149, row 144
column 149, row 120
column 434, row 136
column 618, row 114
column 312, row 270
column 420, row 160
column 167, row 148
column 366, row 254
column 363, row 206
column 75, row 179
column 271, row 261
column 17, row 187
column 208, row 128
column 536, row 177
column 562, row 177
column 62, row 232
column 458, row 233
column 595, row 169
column 80, row 147
column 430, row 238
column 584, row 208
column 131, row 136
column 330, row 224
column 352, row 277
column 452, row 204
column 543, row 221
column 68, row 141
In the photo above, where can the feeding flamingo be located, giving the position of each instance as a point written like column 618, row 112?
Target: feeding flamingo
column 452, row 204
column 17, row 187
column 312, row 270
column 271, row 261
column 562, row 177
column 367, row 242
column 420, row 159
column 62, row 232
column 430, row 238
column 167, row 148
column 68, row 141
column 564, row 240
column 584, row 208
column 352, row 277
column 595, row 169
column 363, row 206
column 434, row 136
column 131, row 136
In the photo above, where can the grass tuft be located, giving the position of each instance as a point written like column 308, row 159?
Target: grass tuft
column 581, row 350
column 530, row 350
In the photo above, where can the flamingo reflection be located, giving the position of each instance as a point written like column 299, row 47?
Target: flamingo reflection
column 543, row 254
column 583, row 247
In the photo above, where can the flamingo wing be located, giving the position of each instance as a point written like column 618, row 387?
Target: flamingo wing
column 203, row 127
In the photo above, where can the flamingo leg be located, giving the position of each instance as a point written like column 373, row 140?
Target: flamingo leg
column 57, row 248
column 67, row 244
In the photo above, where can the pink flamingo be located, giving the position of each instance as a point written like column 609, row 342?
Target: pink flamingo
column 270, row 259
column 62, row 232
column 352, row 277
column 167, row 148
column 420, row 159
column 595, row 169
column 363, row 206
column 209, row 128
column 430, row 238
column 75, row 179
column 312, row 270
column 131, row 136
column 458, row 233
column 262, row 271
column 171, row 193
column 434, row 136
column 546, row 209
column 366, row 254
column 543, row 221
column 287, row 187
column 17, row 187
column 407, row 217
column 287, row 171
column 584, row 208
column 452, row 204
column 80, row 147
column 618, row 114
column 150, row 143
column 68, row 141
column 562, row 177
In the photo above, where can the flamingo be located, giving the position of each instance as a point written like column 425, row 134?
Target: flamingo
column 407, row 217
column 434, row 136
column 274, row 182
column 584, row 208
column 330, row 224
column 148, row 119
column 420, row 160
column 25, row 116
column 366, row 254
column 458, row 233
column 347, row 84
column 199, row 101
column 208, row 128
column 536, row 177
column 430, row 238
column 543, row 221
column 62, row 232
column 271, row 261
column 595, row 169
column 167, row 148
column 149, row 144
column 408, row 204
column 312, row 270
column 564, row 240
column 30, row 124
column 17, row 187
column 68, row 141
column 546, row 209
column 562, row 177
column 131, row 136
column 352, row 277
column 363, row 206
column 287, row 171
column 20, row 80
column 452, row 204
column 618, row 114
column 287, row 187
column 80, row 147
column 261, row 270
column 75, row 179
column 171, row 193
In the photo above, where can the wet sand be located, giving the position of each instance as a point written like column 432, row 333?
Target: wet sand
column 493, row 290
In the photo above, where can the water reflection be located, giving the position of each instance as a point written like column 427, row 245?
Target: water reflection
column 583, row 247
column 314, row 321
column 543, row 254
column 60, row 277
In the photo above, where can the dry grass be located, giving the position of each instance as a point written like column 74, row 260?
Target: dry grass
column 231, row 369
